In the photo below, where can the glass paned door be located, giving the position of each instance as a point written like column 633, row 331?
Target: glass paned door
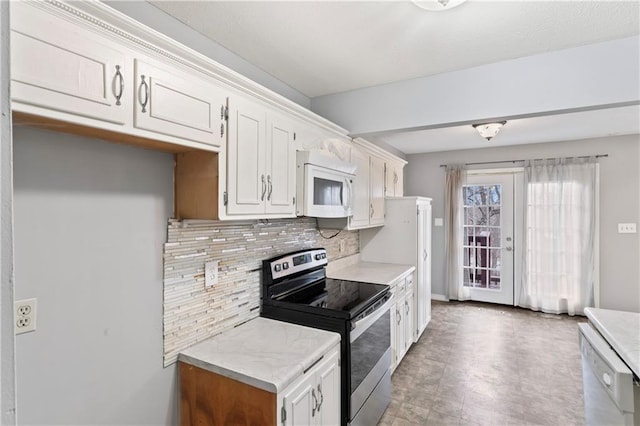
column 488, row 238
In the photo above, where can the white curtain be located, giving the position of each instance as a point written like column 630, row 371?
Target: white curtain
column 559, row 235
column 456, row 177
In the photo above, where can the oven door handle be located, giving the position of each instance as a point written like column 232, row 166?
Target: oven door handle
column 360, row 326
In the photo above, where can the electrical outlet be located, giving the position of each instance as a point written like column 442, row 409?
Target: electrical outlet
column 210, row 273
column 626, row 228
column 343, row 246
column 25, row 315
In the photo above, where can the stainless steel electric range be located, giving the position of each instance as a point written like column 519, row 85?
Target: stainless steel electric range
column 295, row 289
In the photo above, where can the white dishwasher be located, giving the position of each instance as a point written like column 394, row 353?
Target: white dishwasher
column 611, row 396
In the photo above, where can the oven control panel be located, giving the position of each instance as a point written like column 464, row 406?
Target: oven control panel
column 293, row 263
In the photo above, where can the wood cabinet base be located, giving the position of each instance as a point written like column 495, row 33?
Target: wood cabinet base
column 196, row 181
column 208, row 398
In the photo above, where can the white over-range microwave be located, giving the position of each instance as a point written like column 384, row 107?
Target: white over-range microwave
column 325, row 185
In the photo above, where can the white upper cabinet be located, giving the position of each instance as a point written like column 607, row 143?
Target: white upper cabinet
column 261, row 162
column 368, row 188
column 67, row 69
column 376, row 198
column 394, row 179
column 281, row 165
column 177, row 103
column 361, row 189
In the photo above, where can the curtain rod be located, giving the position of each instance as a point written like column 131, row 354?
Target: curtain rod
column 535, row 159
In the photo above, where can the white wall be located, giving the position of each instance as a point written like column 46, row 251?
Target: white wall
column 90, row 223
column 7, row 349
column 619, row 202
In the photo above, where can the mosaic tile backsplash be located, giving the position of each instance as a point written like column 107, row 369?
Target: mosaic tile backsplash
column 193, row 313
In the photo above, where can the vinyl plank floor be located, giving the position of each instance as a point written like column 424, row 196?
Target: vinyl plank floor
column 484, row 364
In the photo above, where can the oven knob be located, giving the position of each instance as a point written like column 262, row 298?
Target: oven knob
column 277, row 268
column 285, row 265
column 324, row 255
column 323, row 304
column 318, row 256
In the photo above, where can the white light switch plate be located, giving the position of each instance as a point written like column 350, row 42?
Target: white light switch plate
column 626, row 228
column 210, row 273
column 438, row 221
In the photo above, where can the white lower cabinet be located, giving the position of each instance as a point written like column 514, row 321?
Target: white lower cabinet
column 314, row 398
column 402, row 321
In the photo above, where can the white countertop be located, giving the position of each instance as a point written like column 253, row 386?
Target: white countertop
column 622, row 331
column 370, row 272
column 264, row 353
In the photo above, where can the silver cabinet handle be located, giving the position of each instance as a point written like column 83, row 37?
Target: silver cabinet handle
column 264, row 188
column 118, row 76
column 424, row 255
column 509, row 248
column 399, row 316
column 406, row 307
column 315, row 403
column 371, row 210
column 321, row 397
column 270, row 187
column 145, row 86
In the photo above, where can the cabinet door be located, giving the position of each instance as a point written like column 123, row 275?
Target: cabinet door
column 281, row 166
column 328, row 390
column 377, row 191
column 64, row 68
column 423, row 270
column 175, row 103
column 246, row 158
column 298, row 403
column 399, row 180
column 400, row 327
column 394, row 326
column 361, row 206
column 408, row 320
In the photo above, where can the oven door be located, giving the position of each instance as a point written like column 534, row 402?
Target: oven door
column 327, row 193
column 370, row 340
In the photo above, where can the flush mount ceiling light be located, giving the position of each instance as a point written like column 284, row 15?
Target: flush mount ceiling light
column 489, row 130
column 437, row 5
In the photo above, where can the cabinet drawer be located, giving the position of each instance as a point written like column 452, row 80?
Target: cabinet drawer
column 174, row 103
column 65, row 68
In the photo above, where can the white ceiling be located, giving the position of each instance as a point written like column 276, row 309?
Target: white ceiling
column 551, row 128
column 325, row 47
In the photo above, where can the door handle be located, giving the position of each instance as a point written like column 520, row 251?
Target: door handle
column 264, row 188
column 270, row 187
column 321, row 398
column 315, row 403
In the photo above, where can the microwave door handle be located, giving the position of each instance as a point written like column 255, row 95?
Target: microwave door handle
column 346, row 200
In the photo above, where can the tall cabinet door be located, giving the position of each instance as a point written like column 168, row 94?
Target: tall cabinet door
column 423, row 267
column 281, row 166
column 175, row 103
column 361, row 207
column 246, row 174
column 62, row 67
column 376, row 172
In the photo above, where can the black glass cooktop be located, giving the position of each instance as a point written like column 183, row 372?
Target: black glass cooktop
column 339, row 295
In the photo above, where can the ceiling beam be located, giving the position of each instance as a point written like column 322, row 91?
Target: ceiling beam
column 596, row 76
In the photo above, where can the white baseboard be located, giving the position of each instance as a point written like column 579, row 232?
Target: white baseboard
column 440, row 297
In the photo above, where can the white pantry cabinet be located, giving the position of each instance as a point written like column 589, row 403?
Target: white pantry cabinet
column 261, row 162
column 64, row 68
column 405, row 239
column 314, row 399
column 177, row 103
